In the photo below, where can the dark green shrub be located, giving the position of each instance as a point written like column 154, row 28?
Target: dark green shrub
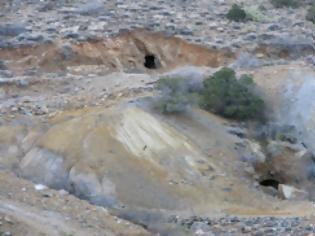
column 223, row 94
column 236, row 13
column 311, row 14
column 285, row 3
column 176, row 94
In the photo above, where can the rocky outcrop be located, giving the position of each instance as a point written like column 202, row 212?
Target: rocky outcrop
column 88, row 186
column 46, row 167
column 129, row 157
column 127, row 52
column 108, row 159
column 290, row 193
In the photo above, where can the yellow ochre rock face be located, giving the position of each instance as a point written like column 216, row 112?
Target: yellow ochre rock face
column 128, row 152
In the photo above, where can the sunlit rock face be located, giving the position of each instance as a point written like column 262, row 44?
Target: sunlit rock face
column 113, row 159
column 134, row 158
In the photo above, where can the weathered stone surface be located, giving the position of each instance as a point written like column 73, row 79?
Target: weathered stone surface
column 258, row 226
column 45, row 167
column 87, row 186
column 291, row 193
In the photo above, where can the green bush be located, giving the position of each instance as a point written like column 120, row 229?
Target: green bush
column 176, row 94
column 236, row 13
column 230, row 97
column 285, row 3
column 222, row 94
column 311, row 14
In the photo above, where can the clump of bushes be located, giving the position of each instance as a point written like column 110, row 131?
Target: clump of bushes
column 176, row 94
column 222, row 94
column 230, row 97
column 285, row 3
column 236, row 13
column 311, row 14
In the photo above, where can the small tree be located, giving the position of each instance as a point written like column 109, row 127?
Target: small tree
column 223, row 94
column 236, row 13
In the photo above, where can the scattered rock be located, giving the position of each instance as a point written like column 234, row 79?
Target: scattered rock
column 245, row 226
column 5, row 74
column 250, row 170
column 34, row 37
column 2, row 65
column 13, row 29
column 291, row 193
column 8, row 220
column 40, row 187
column 93, row 7
column 63, row 192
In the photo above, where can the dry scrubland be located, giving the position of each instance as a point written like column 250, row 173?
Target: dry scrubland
column 157, row 117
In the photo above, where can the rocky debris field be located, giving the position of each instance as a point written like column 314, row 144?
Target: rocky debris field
column 26, row 23
column 257, row 226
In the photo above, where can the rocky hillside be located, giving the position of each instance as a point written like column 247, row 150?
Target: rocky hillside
column 84, row 151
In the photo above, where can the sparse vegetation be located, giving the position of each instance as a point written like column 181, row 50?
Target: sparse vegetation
column 285, row 3
column 310, row 16
column 176, row 94
column 223, row 94
column 236, row 13
column 254, row 14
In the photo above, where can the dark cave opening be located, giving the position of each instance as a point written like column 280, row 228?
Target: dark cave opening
column 270, row 182
column 150, row 61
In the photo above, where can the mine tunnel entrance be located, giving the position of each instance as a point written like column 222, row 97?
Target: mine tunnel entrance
column 150, row 61
column 270, row 183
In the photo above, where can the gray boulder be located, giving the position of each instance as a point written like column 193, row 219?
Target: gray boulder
column 44, row 167
column 291, row 193
column 88, row 186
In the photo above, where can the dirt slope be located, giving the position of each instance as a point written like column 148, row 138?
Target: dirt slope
column 25, row 211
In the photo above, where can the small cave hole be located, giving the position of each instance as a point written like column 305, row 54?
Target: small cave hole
column 150, row 61
column 270, row 183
